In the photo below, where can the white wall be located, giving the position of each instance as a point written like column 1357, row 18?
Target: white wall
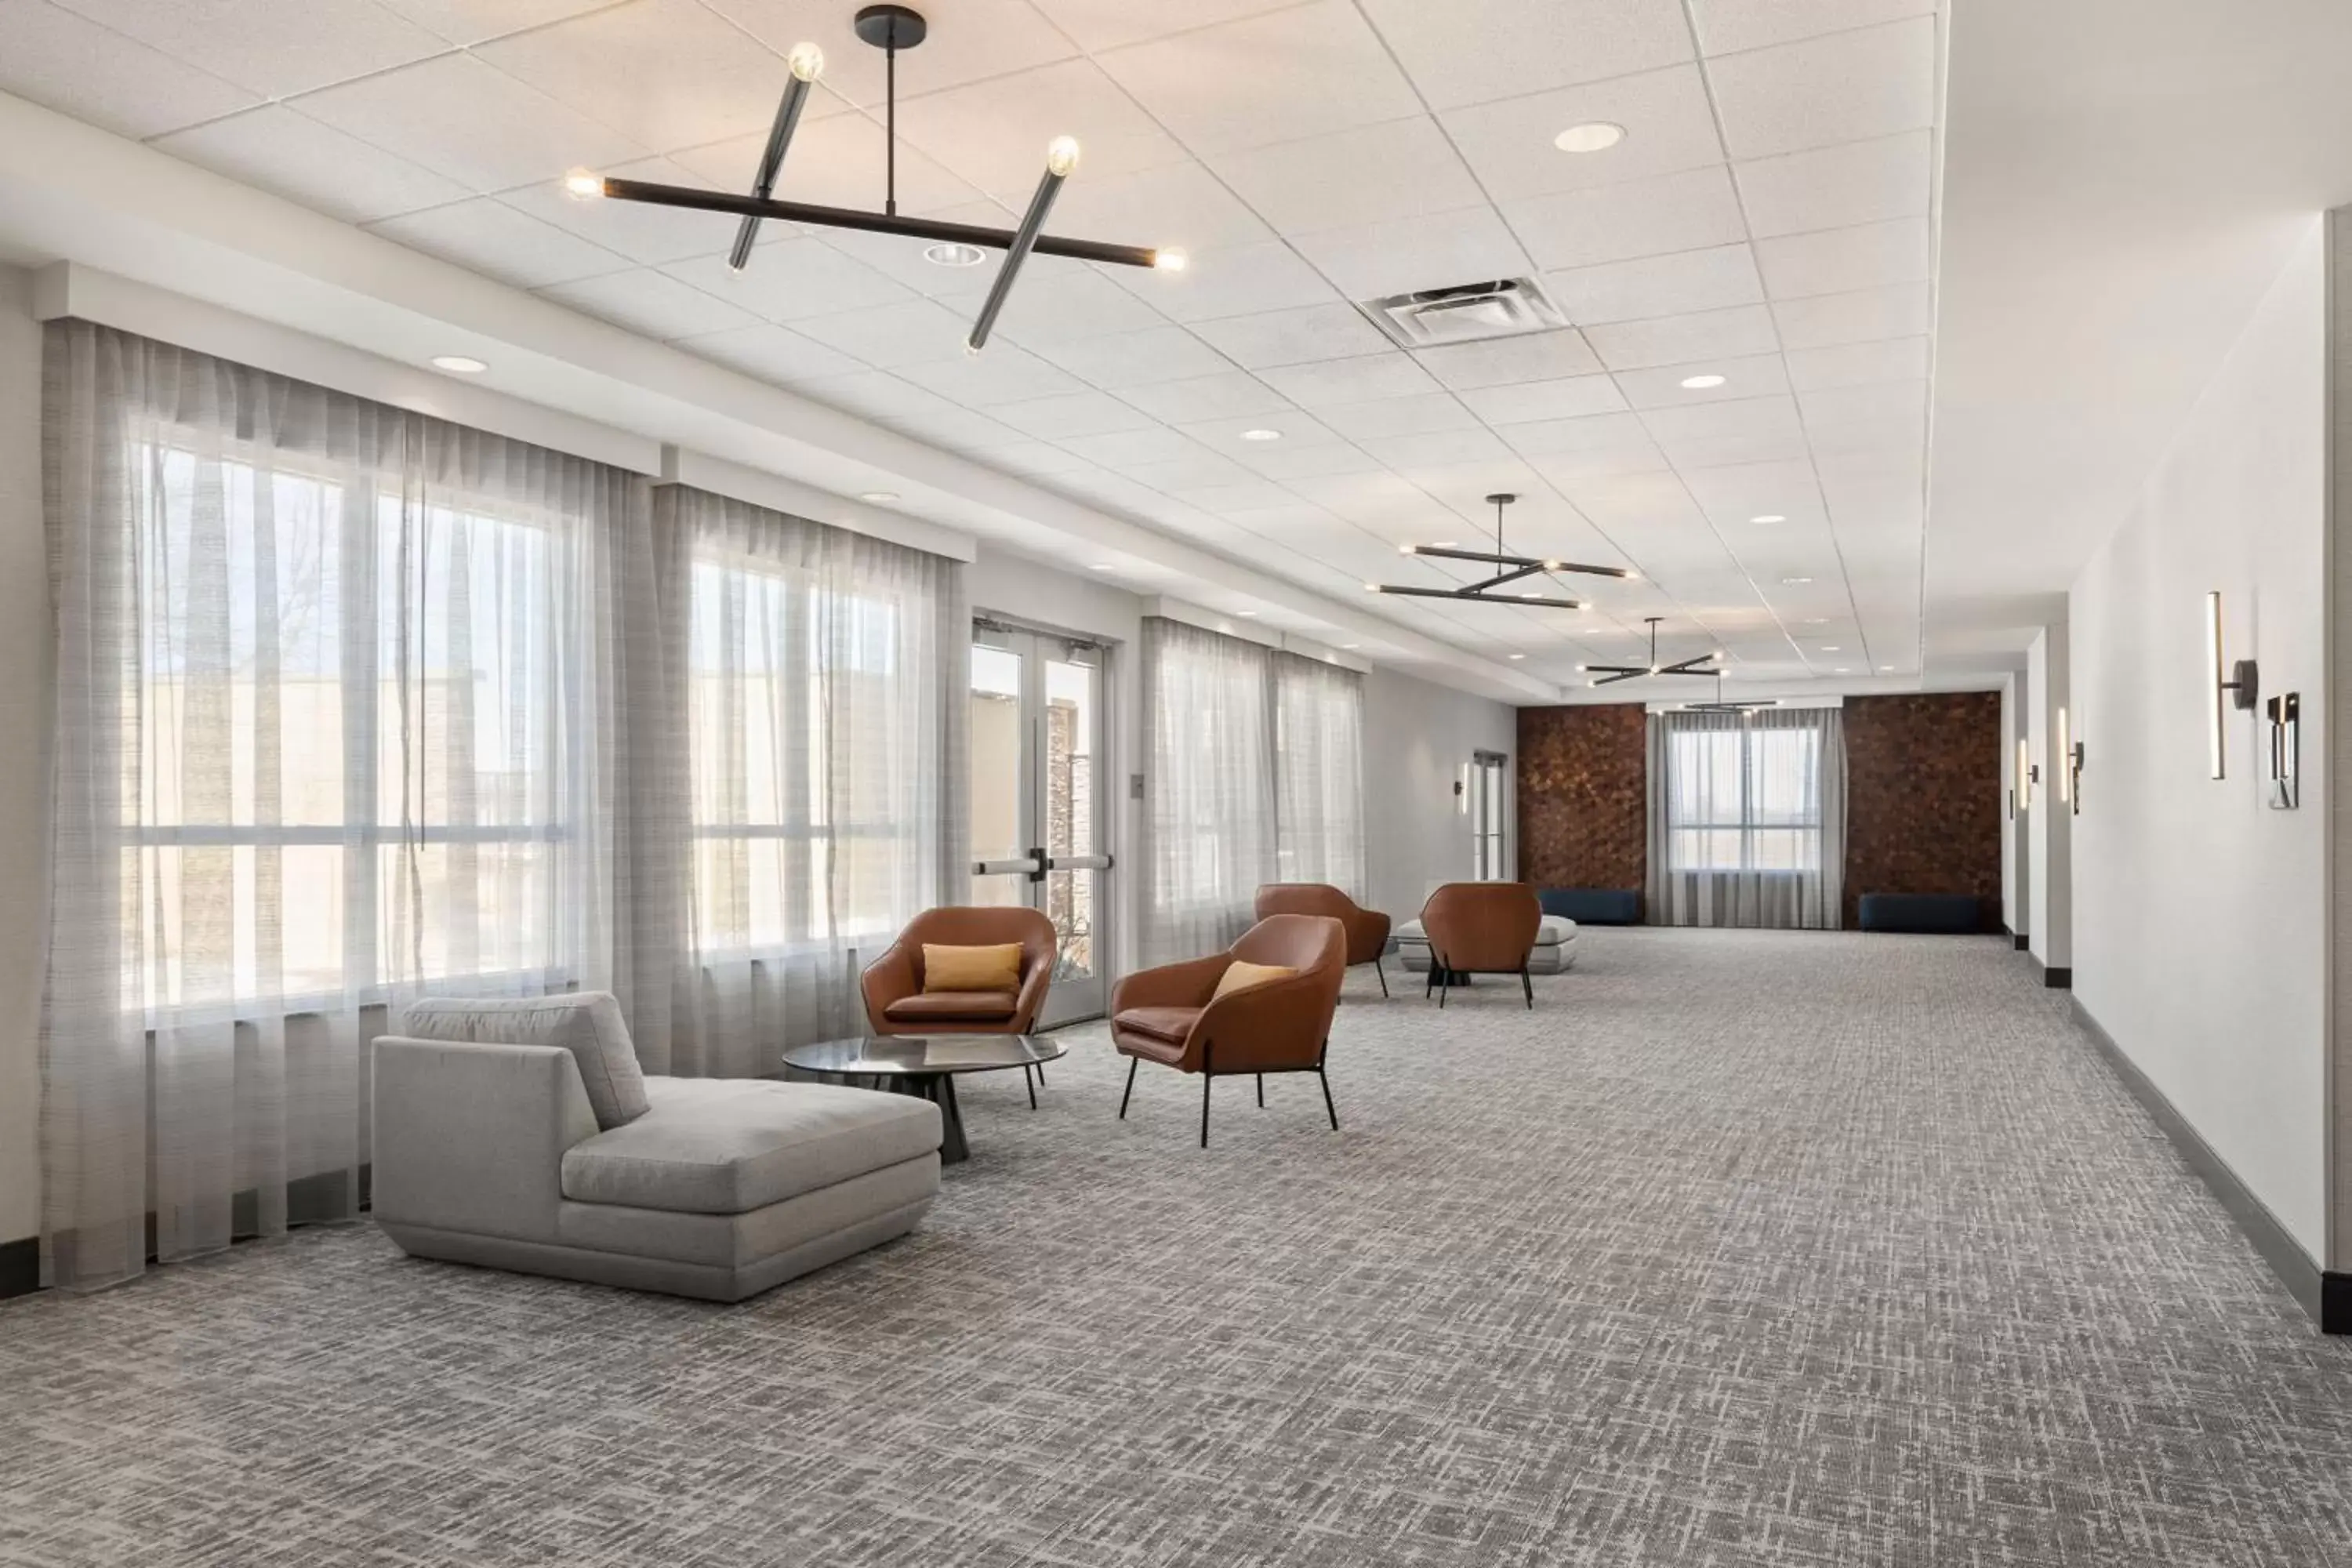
column 1417, row 736
column 1019, row 589
column 2049, row 823
column 2199, row 914
column 24, row 718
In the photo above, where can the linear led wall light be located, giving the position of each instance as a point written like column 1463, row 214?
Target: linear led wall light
column 1507, row 569
column 2024, row 775
column 2065, row 785
column 888, row 29
column 2241, row 681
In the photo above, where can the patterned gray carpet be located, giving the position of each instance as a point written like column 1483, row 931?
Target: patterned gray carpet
column 1742, row 1249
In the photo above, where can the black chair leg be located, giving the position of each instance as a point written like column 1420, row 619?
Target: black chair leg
column 1261, row 1092
column 1383, row 975
column 1528, row 986
column 1131, row 1062
column 1032, row 1083
column 1444, row 981
column 1329, row 1109
column 1204, row 1108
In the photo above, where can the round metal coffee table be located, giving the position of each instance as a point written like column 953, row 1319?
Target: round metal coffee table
column 925, row 1066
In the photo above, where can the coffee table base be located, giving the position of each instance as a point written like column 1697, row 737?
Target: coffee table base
column 939, row 1090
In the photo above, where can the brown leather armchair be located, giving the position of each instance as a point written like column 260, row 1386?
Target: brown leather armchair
column 897, row 1003
column 1368, row 930
column 1165, row 1015
column 1481, row 927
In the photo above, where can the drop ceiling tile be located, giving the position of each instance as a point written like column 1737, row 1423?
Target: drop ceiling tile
column 1295, row 428
column 1299, row 336
column 839, row 161
column 1721, row 451
column 1180, row 207
column 1686, row 341
column 1689, row 211
column 1859, row 365
column 1003, row 374
column 1232, row 397
column 1071, row 415
column 72, row 65
column 1679, row 284
column 1842, row 87
column 1728, row 26
column 1102, row 25
column 664, row 73
column 460, row 119
column 1844, row 260
column 1137, row 359
column 1196, row 470
column 646, row 235
column 1059, row 300
column 994, row 134
column 959, row 430
column 1035, row 457
column 1415, row 415
column 1241, row 281
column 970, row 41
column 494, row 239
column 771, row 352
column 650, row 302
column 473, row 21
column 278, row 150
column 1503, row 48
column 1288, row 462
column 1255, row 495
column 1837, row 187
column 1830, row 320
column 1292, row 74
column 801, row 279
column 1748, row 416
column 1438, row 449
column 1669, row 127
column 1338, row 381
column 909, row 332
column 877, row 394
column 1759, row 375
column 1499, row 361
column 901, row 259
column 1404, row 255
column 274, row 48
column 1900, row 404
column 1319, row 182
column 1572, row 398
column 1595, row 433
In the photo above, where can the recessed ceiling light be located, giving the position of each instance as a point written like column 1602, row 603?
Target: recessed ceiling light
column 1261, row 435
column 879, row 498
column 1701, row 382
column 954, row 253
column 460, row 364
column 1768, row 517
column 1519, row 656
column 1795, row 582
column 1246, row 615
column 1104, row 566
column 1811, row 620
column 1831, row 648
column 1590, row 136
column 1888, row 667
column 1841, row 669
column 1352, row 645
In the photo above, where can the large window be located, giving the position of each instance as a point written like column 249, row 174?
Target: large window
column 1745, row 799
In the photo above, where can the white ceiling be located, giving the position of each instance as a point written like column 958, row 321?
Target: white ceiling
column 1770, row 217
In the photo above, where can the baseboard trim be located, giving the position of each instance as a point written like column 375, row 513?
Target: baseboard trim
column 2020, row 940
column 2327, row 1296
column 20, row 1267
column 2057, row 977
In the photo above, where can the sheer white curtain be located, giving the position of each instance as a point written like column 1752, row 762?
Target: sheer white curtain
column 1747, row 818
column 336, row 700
column 1319, row 769
column 823, row 731
column 1211, row 833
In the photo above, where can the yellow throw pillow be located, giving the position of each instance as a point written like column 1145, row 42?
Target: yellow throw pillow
column 992, row 968
column 1240, row 976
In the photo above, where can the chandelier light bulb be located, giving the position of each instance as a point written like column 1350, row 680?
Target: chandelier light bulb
column 1171, row 260
column 584, row 185
column 807, row 61
column 1062, row 156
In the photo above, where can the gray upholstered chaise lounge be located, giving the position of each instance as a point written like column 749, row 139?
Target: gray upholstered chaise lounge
column 523, row 1135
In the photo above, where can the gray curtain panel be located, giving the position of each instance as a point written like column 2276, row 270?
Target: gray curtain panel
column 1747, row 818
column 1319, row 711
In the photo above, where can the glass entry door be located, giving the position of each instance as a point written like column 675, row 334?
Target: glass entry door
column 1039, row 818
column 1488, row 813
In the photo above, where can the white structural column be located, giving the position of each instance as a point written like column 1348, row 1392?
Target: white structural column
column 2049, row 825
column 2336, row 731
column 2015, row 883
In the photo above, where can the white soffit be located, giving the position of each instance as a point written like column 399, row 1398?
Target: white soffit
column 760, row 488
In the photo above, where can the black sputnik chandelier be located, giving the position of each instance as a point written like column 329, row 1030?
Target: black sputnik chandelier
column 889, row 28
column 1507, row 569
column 1705, row 664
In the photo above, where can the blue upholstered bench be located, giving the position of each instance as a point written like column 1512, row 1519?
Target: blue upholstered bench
column 1938, row 914
column 1593, row 905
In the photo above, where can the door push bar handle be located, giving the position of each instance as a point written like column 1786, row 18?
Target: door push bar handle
column 1037, row 870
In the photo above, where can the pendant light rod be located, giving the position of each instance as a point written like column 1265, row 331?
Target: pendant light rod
column 655, row 195
column 1061, row 159
column 807, row 63
column 1509, row 568
column 1611, row 674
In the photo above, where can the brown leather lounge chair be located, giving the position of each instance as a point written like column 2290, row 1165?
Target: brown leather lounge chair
column 897, row 1003
column 1172, row 1015
column 1368, row 930
column 1481, row 927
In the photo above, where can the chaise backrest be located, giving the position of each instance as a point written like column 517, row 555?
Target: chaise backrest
column 588, row 1024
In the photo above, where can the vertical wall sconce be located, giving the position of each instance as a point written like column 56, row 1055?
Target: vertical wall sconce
column 2024, row 775
column 2066, row 753
column 2240, row 680
column 2286, row 741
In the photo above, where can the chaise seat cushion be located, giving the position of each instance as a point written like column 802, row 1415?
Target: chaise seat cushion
column 1170, row 1024
column 953, row 1006
column 731, row 1145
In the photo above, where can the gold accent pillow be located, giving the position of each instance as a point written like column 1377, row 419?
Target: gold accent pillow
column 991, row 968
column 1240, row 976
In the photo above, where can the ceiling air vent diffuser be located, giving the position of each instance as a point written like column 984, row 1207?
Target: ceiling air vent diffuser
column 1465, row 314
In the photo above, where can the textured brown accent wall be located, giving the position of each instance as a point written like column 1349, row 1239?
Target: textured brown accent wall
column 1583, row 796
column 1923, row 797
